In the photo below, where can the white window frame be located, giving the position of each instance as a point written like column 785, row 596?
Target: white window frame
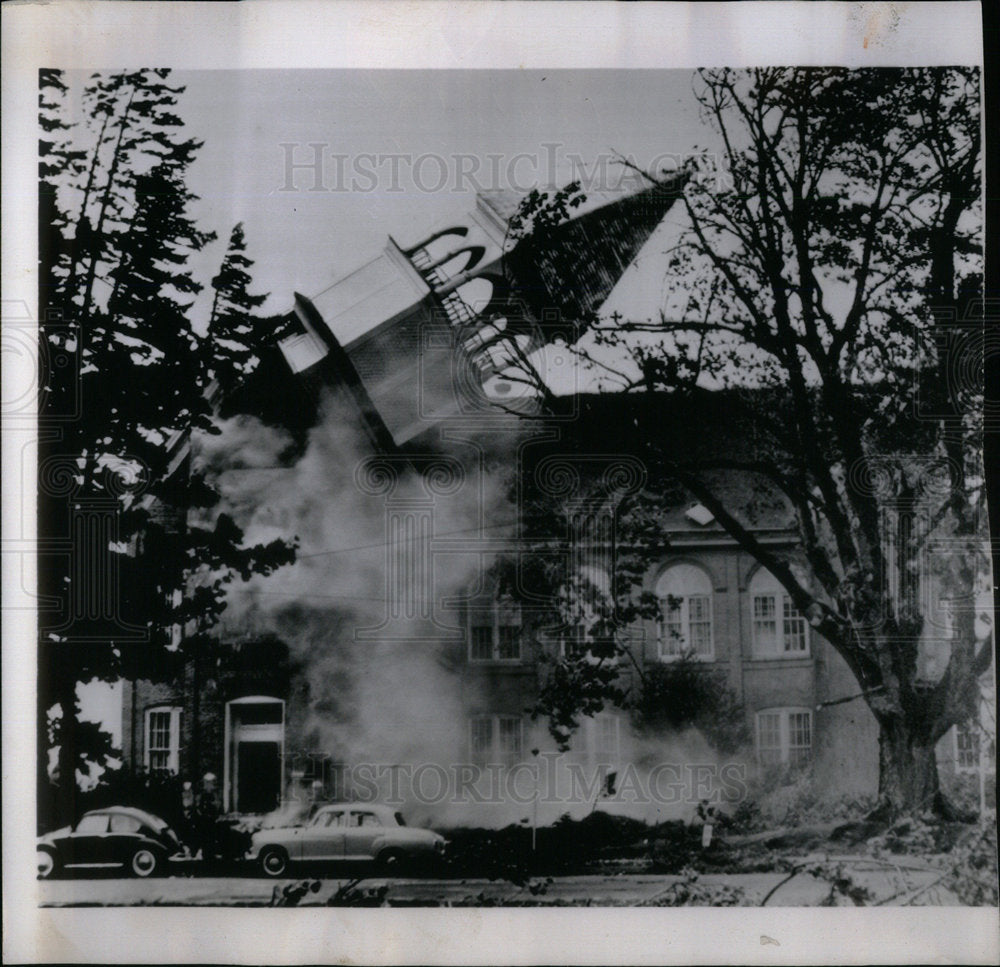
column 764, row 586
column 689, row 582
column 575, row 642
column 174, row 749
column 498, row 608
column 976, row 738
column 495, row 754
column 784, row 747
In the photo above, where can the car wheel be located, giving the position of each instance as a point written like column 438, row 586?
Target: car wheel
column 392, row 862
column 144, row 862
column 273, row 861
column 46, row 864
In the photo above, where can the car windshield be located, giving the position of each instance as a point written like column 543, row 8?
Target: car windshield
column 399, row 819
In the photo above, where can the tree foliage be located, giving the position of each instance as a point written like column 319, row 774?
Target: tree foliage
column 135, row 586
column 688, row 694
column 233, row 327
column 829, row 280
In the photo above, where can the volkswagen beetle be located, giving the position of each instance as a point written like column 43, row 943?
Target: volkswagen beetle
column 114, row 836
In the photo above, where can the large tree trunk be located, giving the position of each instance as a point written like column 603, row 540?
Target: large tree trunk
column 908, row 774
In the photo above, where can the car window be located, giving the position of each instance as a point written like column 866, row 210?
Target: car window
column 399, row 819
column 125, row 824
column 93, row 824
column 333, row 819
column 364, row 819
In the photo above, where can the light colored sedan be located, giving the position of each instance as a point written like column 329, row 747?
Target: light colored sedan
column 346, row 833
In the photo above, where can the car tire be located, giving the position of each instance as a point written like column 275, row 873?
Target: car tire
column 46, row 863
column 392, row 862
column 144, row 862
column 274, row 861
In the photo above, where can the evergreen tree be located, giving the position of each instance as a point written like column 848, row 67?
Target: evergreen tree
column 135, row 587
column 234, row 331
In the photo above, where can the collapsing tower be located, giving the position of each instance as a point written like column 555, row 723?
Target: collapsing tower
column 425, row 332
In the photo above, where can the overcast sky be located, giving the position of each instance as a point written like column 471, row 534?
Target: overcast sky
column 514, row 129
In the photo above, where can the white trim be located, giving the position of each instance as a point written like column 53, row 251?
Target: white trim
column 684, row 581
column 784, row 746
column 975, row 734
column 495, row 607
column 266, row 734
column 495, row 754
column 763, row 584
column 174, row 748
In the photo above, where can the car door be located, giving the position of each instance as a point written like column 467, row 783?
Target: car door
column 88, row 841
column 125, row 834
column 363, row 829
column 323, row 839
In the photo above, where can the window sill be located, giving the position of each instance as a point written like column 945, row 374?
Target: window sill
column 779, row 659
column 670, row 659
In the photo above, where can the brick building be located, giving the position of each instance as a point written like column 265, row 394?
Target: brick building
column 416, row 345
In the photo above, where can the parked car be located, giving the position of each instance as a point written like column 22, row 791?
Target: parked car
column 115, row 836
column 347, row 833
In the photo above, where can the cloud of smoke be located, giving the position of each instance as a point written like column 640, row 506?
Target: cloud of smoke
column 393, row 693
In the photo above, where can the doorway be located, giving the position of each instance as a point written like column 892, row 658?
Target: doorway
column 255, row 730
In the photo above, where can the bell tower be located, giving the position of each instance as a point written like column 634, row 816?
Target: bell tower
column 425, row 331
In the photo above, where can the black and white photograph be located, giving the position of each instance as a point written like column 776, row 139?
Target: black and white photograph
column 502, row 486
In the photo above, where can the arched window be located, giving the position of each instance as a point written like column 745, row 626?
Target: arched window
column 685, row 625
column 784, row 736
column 779, row 631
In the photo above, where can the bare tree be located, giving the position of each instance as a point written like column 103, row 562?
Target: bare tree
column 828, row 280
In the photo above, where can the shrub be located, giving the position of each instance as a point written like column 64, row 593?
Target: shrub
column 687, row 694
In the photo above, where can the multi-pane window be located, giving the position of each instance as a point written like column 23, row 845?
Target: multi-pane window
column 495, row 632
column 779, row 630
column 769, row 738
column 685, row 626
column 509, row 736
column 481, row 737
column 799, row 738
column 784, row 737
column 966, row 747
column 574, row 641
column 163, row 739
column 496, row 738
column 481, row 643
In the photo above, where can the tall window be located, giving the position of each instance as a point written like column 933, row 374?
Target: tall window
column 685, row 626
column 779, row 631
column 585, row 603
column 163, row 739
column 784, row 737
column 966, row 747
column 496, row 738
column 495, row 631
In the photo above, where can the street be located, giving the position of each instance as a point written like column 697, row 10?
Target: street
column 892, row 887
